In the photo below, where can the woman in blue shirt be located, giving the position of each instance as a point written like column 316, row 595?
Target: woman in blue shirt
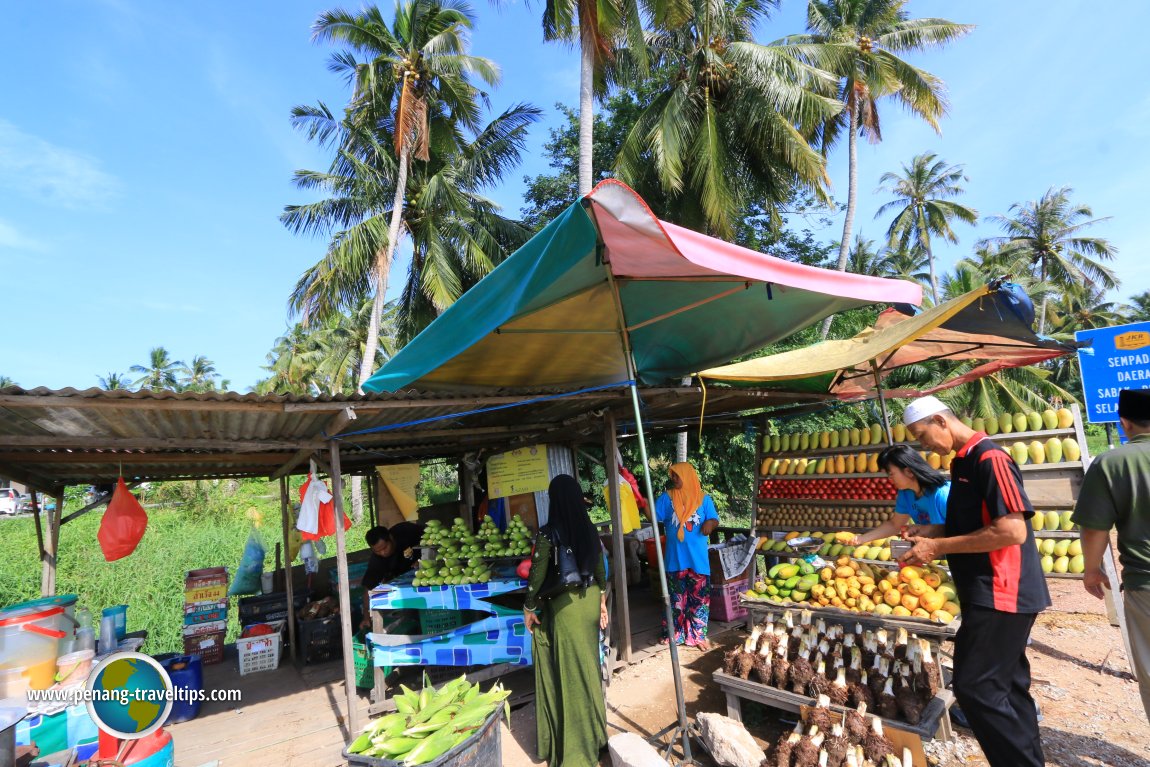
column 689, row 517
column 922, row 493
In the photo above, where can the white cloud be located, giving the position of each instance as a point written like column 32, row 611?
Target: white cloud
column 38, row 169
column 12, row 239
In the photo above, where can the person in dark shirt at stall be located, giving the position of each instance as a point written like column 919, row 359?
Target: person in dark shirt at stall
column 394, row 552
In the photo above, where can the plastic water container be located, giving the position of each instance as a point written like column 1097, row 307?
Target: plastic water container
column 29, row 641
column 108, row 641
column 120, row 613
column 187, row 673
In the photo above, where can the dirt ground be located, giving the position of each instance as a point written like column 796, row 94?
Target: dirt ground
column 1092, row 713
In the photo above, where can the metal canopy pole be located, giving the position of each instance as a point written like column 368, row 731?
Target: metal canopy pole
column 629, row 360
column 344, row 593
column 882, row 404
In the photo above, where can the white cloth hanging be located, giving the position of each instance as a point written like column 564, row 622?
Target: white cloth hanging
column 317, row 493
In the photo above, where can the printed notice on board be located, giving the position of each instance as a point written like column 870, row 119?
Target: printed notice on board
column 401, row 481
column 520, row 471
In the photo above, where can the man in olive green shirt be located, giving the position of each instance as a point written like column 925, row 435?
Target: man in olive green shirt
column 1116, row 493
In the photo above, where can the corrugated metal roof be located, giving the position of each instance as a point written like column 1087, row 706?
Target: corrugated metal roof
column 51, row 438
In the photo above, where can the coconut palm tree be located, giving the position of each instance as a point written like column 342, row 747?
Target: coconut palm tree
column 457, row 233
column 161, row 372
column 719, row 131
column 114, row 381
column 411, row 68
column 861, row 42
column 906, row 264
column 1140, row 307
column 6, row 381
column 1085, row 309
column 866, row 259
column 923, row 210
column 200, row 375
column 1045, row 238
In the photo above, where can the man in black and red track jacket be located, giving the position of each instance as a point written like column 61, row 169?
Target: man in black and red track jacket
column 989, row 544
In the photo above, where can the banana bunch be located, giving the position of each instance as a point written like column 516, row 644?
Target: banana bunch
column 429, row 723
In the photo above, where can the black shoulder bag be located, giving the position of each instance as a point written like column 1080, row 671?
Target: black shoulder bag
column 563, row 572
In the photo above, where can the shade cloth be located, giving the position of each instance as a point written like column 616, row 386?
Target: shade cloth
column 550, row 314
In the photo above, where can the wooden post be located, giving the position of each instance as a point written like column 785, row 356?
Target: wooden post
column 39, row 542
column 618, row 556
column 344, row 593
column 285, row 524
column 54, row 542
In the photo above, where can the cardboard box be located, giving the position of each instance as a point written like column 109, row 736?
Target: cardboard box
column 717, row 577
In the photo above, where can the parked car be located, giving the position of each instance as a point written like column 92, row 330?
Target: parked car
column 9, row 501
column 45, row 502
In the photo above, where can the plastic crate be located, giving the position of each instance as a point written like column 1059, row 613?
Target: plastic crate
column 439, row 621
column 320, row 639
column 208, row 627
column 208, row 576
column 210, row 593
column 266, row 608
column 355, row 573
column 259, row 653
column 483, row 749
column 210, row 647
column 725, row 604
column 364, row 668
column 205, row 612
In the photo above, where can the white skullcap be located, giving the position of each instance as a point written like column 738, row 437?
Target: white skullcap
column 922, row 408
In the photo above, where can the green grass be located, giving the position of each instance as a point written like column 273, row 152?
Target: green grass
column 207, row 531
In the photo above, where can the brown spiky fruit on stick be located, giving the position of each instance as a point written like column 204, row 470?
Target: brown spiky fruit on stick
column 876, row 745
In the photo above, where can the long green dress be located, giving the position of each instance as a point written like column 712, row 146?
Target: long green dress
column 570, row 712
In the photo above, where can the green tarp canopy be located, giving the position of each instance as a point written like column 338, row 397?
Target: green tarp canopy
column 606, row 277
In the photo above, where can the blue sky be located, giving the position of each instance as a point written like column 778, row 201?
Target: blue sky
column 145, row 155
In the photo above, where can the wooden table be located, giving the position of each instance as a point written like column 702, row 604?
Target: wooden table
column 935, row 720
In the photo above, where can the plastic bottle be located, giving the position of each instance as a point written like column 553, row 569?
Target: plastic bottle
column 85, row 638
column 83, row 618
column 108, row 641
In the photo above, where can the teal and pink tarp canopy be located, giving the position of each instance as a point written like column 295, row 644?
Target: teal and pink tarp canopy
column 607, row 276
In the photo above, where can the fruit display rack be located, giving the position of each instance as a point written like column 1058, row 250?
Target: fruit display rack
column 830, row 480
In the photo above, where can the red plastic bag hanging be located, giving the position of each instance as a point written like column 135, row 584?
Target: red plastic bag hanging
column 315, row 499
column 123, row 524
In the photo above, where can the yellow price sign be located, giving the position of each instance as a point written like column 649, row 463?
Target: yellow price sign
column 519, row 471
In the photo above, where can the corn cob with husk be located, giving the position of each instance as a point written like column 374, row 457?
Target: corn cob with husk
column 429, row 723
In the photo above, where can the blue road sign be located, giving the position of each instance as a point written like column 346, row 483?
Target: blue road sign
column 1117, row 358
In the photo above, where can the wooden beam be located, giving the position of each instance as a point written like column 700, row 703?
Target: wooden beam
column 154, row 443
column 344, row 592
column 103, row 499
column 285, row 524
column 412, row 435
column 299, row 457
column 339, row 422
column 472, row 402
column 54, row 542
column 139, row 458
column 134, row 403
column 30, row 478
column 618, row 555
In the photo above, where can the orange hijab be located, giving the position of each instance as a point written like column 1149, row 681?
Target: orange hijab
column 687, row 498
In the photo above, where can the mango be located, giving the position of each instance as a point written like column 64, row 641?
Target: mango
column 1038, row 521
column 776, row 443
column 1053, row 520
column 1061, row 547
column 1066, row 521
column 844, row 437
column 804, row 441
column 979, row 424
column 934, row 459
column 1034, row 421
column 882, row 608
column 1048, row 546
column 1047, row 563
column 1065, row 418
column 1049, row 419
column 898, row 431
column 1062, row 564
column 855, row 437
column 1077, row 564
column 1019, row 422
column 1019, row 453
column 812, row 465
column 1075, row 548
column 872, row 464
column 992, row 425
column 821, row 466
column 1054, row 450
column 774, row 467
column 1005, row 423
column 835, row 439
column 840, row 464
column 824, row 439
column 864, row 436
column 861, row 463
column 876, row 434
column 1037, row 452
column 1070, row 449
column 862, row 552
column 946, row 461
column 942, row 616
